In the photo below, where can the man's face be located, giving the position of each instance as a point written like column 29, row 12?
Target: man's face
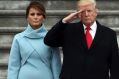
column 88, row 14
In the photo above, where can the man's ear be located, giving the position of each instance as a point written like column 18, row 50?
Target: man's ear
column 97, row 10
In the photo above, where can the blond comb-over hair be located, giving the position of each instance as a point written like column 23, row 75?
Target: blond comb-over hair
column 83, row 2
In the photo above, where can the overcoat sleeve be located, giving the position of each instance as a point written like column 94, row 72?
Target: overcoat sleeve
column 55, row 36
column 14, row 60
column 56, row 63
column 114, row 59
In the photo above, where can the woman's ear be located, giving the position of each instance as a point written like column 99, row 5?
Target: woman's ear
column 27, row 19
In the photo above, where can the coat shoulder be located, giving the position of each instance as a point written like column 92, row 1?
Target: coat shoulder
column 108, row 30
column 19, row 35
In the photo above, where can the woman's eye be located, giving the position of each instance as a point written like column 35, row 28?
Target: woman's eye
column 39, row 14
column 32, row 14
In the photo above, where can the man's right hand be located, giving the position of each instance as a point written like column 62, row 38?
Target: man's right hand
column 71, row 17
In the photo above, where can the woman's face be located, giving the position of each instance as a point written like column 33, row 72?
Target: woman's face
column 35, row 18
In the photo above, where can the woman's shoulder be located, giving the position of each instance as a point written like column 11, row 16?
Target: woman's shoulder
column 19, row 35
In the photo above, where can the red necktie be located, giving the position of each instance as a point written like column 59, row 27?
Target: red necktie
column 88, row 37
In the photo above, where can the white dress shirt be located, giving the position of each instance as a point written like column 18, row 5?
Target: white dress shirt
column 93, row 29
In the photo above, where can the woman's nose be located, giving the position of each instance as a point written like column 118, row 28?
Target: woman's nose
column 35, row 16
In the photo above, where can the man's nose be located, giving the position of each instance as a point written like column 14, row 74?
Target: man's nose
column 86, row 13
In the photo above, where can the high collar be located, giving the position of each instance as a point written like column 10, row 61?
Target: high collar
column 38, row 33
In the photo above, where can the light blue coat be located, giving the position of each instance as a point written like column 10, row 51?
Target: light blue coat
column 30, row 58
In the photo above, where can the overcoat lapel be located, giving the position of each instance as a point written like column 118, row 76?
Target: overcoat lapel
column 83, row 39
column 98, row 37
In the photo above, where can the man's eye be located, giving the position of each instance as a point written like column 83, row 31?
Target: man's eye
column 89, row 10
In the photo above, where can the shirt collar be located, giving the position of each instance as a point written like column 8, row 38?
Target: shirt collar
column 93, row 26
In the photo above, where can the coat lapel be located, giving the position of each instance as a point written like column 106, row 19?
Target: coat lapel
column 98, row 37
column 83, row 40
column 30, row 34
